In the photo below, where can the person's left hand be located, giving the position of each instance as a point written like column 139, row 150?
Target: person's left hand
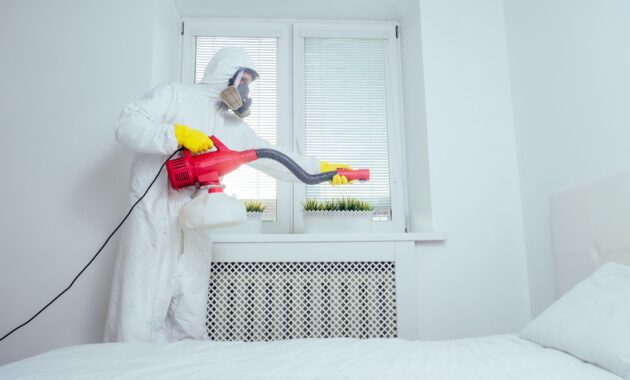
column 193, row 140
column 336, row 179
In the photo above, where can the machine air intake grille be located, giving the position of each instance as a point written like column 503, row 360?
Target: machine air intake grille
column 259, row 301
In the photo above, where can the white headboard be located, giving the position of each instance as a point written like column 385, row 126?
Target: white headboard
column 590, row 226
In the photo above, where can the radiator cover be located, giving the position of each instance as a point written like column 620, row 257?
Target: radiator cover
column 261, row 301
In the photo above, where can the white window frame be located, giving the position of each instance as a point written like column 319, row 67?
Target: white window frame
column 396, row 147
column 291, row 36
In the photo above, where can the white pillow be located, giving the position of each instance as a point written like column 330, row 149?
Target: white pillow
column 591, row 321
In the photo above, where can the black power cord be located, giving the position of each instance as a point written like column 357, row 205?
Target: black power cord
column 96, row 254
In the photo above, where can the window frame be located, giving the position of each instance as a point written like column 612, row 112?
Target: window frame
column 397, row 170
column 290, row 112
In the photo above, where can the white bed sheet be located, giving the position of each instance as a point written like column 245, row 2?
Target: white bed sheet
column 489, row 358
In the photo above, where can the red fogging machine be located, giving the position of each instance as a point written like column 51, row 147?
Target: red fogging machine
column 213, row 208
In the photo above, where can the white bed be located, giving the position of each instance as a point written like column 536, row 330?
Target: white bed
column 504, row 357
column 589, row 324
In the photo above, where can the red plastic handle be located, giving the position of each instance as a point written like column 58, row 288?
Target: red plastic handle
column 355, row 175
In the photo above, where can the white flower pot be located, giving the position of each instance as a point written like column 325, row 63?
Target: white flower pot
column 337, row 221
column 253, row 225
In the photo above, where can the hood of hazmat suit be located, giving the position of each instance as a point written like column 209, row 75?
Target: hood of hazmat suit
column 160, row 282
column 225, row 63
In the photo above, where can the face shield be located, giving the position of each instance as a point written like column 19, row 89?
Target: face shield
column 236, row 95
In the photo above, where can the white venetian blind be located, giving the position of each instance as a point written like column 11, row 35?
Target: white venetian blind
column 248, row 183
column 346, row 118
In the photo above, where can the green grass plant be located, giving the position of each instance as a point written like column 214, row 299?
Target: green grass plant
column 343, row 204
column 254, row 206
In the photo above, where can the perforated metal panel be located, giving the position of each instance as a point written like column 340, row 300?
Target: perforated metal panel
column 253, row 301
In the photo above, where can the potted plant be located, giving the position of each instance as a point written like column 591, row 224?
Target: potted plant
column 254, row 210
column 337, row 216
column 253, row 225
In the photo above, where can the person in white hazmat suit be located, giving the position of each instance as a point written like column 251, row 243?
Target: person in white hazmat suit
column 159, row 293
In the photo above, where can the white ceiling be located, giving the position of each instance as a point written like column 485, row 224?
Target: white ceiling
column 380, row 10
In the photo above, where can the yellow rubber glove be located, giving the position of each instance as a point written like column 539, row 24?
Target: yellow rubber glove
column 336, row 179
column 193, row 140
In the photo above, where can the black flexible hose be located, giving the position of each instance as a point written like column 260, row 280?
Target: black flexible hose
column 301, row 174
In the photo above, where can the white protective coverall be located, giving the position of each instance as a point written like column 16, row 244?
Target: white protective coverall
column 158, row 292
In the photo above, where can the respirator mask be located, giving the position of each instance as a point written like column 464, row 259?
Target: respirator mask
column 236, row 95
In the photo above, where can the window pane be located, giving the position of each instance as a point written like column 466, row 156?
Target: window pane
column 346, row 118
column 248, row 183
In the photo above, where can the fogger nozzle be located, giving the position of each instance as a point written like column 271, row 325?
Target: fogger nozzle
column 355, row 175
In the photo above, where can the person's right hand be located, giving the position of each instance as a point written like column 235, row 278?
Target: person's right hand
column 337, row 179
column 193, row 140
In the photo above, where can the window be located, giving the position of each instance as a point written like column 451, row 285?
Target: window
column 345, row 118
column 339, row 101
column 248, row 183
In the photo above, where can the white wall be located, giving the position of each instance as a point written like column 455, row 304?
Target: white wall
column 475, row 283
column 294, row 9
column 68, row 67
column 569, row 65
column 166, row 43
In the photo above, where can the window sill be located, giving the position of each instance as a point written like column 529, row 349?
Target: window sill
column 302, row 238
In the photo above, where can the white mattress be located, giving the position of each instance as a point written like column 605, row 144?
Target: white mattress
column 497, row 357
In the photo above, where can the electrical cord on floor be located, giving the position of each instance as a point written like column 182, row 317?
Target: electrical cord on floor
column 96, row 254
